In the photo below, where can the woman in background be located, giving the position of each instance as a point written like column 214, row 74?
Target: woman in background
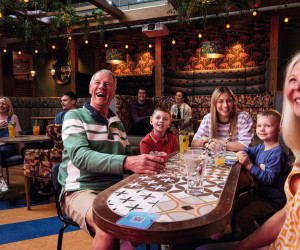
column 181, row 110
column 7, row 116
column 224, row 122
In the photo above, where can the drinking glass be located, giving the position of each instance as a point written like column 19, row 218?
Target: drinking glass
column 219, row 154
column 36, row 128
column 183, row 142
column 196, row 160
column 11, row 130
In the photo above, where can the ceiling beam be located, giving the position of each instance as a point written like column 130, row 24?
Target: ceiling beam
column 110, row 9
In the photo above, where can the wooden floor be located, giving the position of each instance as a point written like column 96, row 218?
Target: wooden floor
column 16, row 217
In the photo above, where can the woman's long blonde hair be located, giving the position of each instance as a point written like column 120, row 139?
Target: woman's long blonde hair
column 291, row 122
column 213, row 111
column 9, row 104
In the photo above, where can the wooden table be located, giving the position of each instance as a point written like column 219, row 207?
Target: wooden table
column 25, row 139
column 44, row 119
column 182, row 218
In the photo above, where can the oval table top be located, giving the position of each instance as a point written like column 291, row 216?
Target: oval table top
column 25, row 139
column 182, row 217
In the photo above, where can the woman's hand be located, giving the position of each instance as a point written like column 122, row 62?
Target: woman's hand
column 3, row 124
column 200, row 142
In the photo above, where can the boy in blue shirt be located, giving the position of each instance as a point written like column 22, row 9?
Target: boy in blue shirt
column 269, row 167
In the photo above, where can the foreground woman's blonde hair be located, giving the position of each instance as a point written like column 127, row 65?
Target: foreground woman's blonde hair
column 291, row 122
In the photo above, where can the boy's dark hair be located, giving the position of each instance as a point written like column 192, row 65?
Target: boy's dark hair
column 271, row 112
column 161, row 109
column 72, row 96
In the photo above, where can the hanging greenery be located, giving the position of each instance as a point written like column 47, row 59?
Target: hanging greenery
column 185, row 9
column 24, row 20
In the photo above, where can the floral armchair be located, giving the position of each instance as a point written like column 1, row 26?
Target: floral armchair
column 39, row 162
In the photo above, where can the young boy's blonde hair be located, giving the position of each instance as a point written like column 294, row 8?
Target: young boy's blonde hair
column 270, row 113
column 163, row 110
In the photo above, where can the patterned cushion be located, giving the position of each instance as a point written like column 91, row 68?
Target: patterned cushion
column 38, row 162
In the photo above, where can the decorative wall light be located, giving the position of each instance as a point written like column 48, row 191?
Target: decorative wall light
column 212, row 49
column 32, row 72
column 173, row 41
column 150, row 45
column 36, row 51
column 52, row 71
column 199, row 35
column 106, row 45
column 227, row 25
column 286, row 20
column 115, row 56
column 4, row 50
column 86, row 41
column 254, row 13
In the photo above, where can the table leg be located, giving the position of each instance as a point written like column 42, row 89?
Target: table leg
column 27, row 191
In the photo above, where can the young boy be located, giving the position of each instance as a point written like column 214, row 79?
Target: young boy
column 158, row 139
column 269, row 166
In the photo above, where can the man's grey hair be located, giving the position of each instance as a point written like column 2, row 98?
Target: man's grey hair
column 108, row 72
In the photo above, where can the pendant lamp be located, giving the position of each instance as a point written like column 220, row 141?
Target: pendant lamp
column 212, row 49
column 115, row 56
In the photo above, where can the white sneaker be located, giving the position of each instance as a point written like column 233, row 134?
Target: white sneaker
column 3, row 187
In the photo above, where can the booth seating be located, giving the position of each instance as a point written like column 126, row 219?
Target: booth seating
column 27, row 107
column 200, row 105
column 39, row 162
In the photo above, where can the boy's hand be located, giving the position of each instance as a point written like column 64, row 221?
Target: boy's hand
column 244, row 159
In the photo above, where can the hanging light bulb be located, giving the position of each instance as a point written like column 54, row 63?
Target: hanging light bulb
column 69, row 37
column 86, row 41
column 53, row 46
column 19, row 52
column 254, row 13
column 32, row 72
column 199, row 35
column 227, row 25
column 150, row 45
column 126, row 46
column 52, row 71
column 36, row 51
column 106, row 45
column 26, row 1
column 286, row 20
column 173, row 41
column 4, row 50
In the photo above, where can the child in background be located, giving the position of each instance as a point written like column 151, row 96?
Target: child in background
column 269, row 167
column 158, row 139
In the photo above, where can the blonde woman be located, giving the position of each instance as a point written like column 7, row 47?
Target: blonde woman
column 224, row 122
column 6, row 116
column 282, row 230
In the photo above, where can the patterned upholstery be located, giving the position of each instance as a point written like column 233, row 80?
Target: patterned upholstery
column 200, row 105
column 38, row 162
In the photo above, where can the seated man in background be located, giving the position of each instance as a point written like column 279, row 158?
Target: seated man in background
column 96, row 155
column 68, row 102
column 141, row 110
